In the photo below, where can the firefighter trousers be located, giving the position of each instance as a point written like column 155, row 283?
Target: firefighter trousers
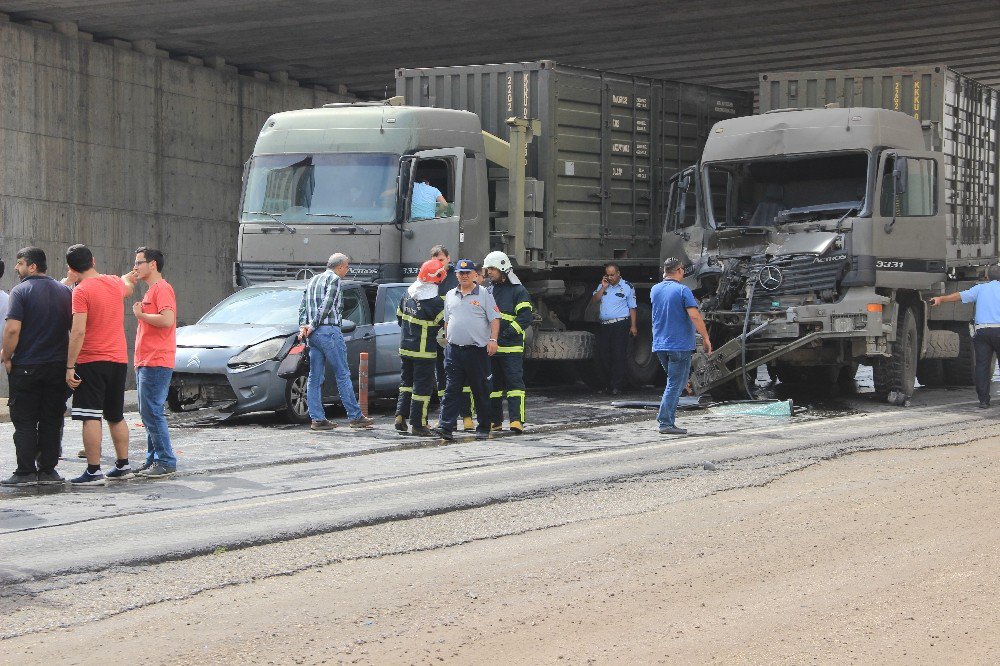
column 508, row 383
column 416, row 385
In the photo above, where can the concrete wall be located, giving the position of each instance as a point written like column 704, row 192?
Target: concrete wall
column 104, row 145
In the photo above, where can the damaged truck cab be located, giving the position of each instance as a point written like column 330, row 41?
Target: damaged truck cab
column 827, row 229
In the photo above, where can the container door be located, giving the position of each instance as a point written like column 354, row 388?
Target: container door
column 428, row 222
column 909, row 232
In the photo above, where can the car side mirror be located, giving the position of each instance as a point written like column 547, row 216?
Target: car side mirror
column 407, row 166
column 347, row 326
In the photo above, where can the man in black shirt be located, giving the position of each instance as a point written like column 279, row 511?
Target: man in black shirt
column 35, row 341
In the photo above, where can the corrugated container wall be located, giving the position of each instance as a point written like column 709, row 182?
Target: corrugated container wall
column 960, row 119
column 609, row 143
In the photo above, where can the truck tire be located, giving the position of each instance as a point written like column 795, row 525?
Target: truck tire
column 899, row 372
column 641, row 365
column 930, row 372
column 961, row 370
column 561, row 346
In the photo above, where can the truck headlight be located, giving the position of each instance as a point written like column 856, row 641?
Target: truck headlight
column 256, row 354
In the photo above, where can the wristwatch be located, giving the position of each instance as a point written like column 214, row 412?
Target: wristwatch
column 493, row 339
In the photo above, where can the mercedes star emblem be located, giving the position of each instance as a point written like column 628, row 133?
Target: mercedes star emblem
column 305, row 274
column 770, row 278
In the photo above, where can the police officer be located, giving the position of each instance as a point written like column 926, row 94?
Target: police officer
column 508, row 363
column 617, row 298
column 472, row 323
column 986, row 342
column 419, row 315
column 450, row 281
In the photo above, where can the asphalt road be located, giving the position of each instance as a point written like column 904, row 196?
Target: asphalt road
column 254, row 480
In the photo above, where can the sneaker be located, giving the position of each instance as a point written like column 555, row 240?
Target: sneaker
column 496, row 427
column 444, row 434
column 400, row 423
column 82, row 454
column 158, row 471
column 468, row 423
column 361, row 422
column 119, row 473
column 88, row 479
column 482, row 435
column 20, row 480
column 516, row 427
column 984, row 405
column 322, row 425
column 422, row 431
column 51, row 478
column 668, row 430
column 145, row 466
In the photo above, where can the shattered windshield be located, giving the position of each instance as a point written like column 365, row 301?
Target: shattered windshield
column 772, row 191
column 322, row 188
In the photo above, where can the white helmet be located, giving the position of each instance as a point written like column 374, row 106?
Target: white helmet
column 498, row 260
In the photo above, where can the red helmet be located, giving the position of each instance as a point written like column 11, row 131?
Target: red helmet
column 433, row 271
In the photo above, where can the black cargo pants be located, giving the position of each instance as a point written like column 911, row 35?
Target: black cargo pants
column 37, row 405
column 612, row 349
column 986, row 343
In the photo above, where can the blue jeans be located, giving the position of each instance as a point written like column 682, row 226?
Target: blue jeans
column 326, row 345
column 677, row 365
column 152, row 383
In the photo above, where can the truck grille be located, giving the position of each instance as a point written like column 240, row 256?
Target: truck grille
column 800, row 275
column 255, row 273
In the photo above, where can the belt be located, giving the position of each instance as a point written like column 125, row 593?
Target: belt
column 613, row 321
column 320, row 325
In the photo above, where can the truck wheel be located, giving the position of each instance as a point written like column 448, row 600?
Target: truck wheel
column 930, row 372
column 173, row 401
column 641, row 365
column 296, row 409
column 561, row 346
column 961, row 371
column 899, row 371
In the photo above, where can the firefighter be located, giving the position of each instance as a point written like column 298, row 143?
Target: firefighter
column 419, row 315
column 508, row 363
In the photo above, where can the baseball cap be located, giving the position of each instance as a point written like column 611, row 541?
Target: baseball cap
column 465, row 266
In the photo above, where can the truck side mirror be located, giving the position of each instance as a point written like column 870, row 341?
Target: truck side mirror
column 407, row 165
column 899, row 172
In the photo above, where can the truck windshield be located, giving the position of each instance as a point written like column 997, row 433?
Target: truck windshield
column 321, row 188
column 767, row 192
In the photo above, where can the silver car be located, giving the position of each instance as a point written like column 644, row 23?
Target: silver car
column 229, row 359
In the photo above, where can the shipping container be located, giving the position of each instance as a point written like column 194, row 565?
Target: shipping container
column 960, row 117
column 609, row 144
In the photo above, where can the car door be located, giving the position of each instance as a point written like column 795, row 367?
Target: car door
column 361, row 339
column 385, row 375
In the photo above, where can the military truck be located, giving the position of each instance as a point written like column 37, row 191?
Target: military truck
column 585, row 155
column 833, row 216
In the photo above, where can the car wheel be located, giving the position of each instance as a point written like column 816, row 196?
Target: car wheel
column 296, row 407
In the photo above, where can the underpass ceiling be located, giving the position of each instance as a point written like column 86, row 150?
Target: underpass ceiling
column 721, row 42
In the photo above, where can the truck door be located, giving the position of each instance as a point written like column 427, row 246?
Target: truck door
column 683, row 236
column 909, row 232
column 424, row 228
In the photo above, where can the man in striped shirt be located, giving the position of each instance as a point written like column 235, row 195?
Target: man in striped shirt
column 319, row 323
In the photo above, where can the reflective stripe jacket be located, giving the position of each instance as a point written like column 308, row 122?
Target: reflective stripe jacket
column 419, row 322
column 515, row 316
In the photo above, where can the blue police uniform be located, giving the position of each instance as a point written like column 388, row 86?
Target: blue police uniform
column 986, row 342
column 613, row 333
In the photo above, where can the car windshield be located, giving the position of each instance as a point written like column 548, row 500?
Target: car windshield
column 257, row 305
column 322, row 188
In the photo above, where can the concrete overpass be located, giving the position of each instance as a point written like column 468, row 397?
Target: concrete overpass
column 723, row 42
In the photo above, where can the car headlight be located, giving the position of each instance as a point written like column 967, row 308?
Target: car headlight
column 257, row 354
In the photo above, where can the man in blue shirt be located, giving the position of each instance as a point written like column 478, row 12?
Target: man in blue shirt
column 424, row 201
column 617, row 298
column 986, row 342
column 675, row 320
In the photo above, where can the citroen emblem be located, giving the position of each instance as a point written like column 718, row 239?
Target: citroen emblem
column 305, row 274
column 194, row 362
column 770, row 278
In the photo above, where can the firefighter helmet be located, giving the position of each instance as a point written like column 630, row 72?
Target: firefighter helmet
column 498, row 260
column 433, row 271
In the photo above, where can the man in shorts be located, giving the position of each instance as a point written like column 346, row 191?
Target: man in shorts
column 97, row 362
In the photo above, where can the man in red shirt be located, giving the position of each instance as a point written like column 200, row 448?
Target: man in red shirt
column 155, row 348
column 97, row 362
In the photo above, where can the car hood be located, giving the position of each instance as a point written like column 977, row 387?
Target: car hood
column 208, row 336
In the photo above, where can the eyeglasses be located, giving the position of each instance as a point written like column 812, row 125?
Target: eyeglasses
column 140, row 263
